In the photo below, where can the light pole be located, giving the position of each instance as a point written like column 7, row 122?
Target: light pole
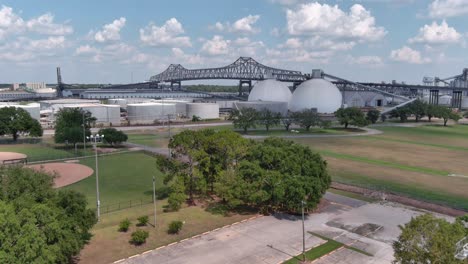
column 94, row 140
column 154, row 200
column 303, row 231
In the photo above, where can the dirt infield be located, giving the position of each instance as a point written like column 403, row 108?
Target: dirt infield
column 67, row 173
column 7, row 156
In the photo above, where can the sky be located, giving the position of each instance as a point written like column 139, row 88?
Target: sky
column 124, row 41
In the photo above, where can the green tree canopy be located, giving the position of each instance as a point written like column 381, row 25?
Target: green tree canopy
column 268, row 118
column 14, row 121
column 351, row 116
column 245, row 118
column 113, row 136
column 307, row 118
column 373, row 115
column 427, row 239
column 418, row 108
column 39, row 224
column 69, row 125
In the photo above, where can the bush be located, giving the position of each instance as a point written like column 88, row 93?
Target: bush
column 139, row 237
column 175, row 200
column 124, row 225
column 196, row 118
column 143, row 220
column 174, row 227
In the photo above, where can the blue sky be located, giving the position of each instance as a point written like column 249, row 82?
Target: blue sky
column 111, row 41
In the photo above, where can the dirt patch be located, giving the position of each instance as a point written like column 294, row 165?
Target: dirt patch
column 401, row 199
column 67, row 173
column 10, row 156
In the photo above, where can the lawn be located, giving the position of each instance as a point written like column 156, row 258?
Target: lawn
column 316, row 252
column 122, row 177
column 412, row 161
column 39, row 152
column 108, row 245
column 280, row 131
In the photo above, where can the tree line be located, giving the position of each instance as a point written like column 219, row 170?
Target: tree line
column 272, row 175
column 420, row 109
column 249, row 118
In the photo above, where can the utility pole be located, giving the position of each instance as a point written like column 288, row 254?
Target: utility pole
column 154, row 200
column 94, row 139
column 84, row 134
column 303, row 232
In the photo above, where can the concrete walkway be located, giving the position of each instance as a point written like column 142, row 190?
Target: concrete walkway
column 274, row 239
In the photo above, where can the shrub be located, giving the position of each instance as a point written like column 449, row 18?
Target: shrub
column 139, row 237
column 196, row 118
column 175, row 200
column 124, row 225
column 143, row 220
column 174, row 227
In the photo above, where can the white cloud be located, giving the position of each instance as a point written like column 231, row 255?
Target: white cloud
column 216, row 46
column 437, row 34
column 86, row 49
column 323, row 19
column 406, row 54
column 9, row 22
column 184, row 58
column 245, row 25
column 168, row 35
column 45, row 25
column 448, row 8
column 110, row 32
column 275, row 32
column 50, row 43
column 317, row 43
column 371, row 61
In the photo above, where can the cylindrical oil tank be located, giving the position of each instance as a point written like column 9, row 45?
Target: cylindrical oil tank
column 464, row 103
column 149, row 113
column 118, row 101
column 181, row 105
column 275, row 107
column 445, row 100
column 203, row 110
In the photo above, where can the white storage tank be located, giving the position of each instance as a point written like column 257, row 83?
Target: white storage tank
column 203, row 110
column 275, row 107
column 118, row 101
column 104, row 114
column 181, row 105
column 464, row 102
column 270, row 90
column 445, row 100
column 316, row 93
column 149, row 113
column 33, row 109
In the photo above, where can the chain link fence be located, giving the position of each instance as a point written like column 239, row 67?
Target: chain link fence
column 105, row 209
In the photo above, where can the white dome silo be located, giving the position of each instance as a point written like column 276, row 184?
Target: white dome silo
column 270, row 90
column 316, row 93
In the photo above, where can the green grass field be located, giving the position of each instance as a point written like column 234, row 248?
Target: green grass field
column 39, row 152
column 316, row 252
column 122, row 177
column 280, row 131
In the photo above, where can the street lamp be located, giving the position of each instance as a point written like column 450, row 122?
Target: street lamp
column 94, row 140
column 303, row 231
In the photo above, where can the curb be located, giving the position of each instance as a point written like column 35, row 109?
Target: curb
column 192, row 237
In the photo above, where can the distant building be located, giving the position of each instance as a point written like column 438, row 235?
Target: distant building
column 15, row 86
column 36, row 85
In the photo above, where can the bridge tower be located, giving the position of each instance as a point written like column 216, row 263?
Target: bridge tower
column 241, row 85
column 60, row 85
column 178, row 85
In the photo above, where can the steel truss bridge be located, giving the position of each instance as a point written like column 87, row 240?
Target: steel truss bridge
column 244, row 69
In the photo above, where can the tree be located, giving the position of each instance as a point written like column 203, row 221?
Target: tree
column 245, row 118
column 373, row 115
column 400, row 112
column 427, row 239
column 276, row 174
column 268, row 118
column 446, row 114
column 69, row 125
column 39, row 224
column 418, row 108
column 307, row 118
column 288, row 120
column 351, row 116
column 431, row 111
column 14, row 121
column 113, row 136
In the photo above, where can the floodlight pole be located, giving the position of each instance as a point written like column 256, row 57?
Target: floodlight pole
column 94, row 140
column 169, row 125
column 154, row 200
column 303, row 232
column 84, row 134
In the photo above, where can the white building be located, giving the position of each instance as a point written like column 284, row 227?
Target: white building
column 36, row 85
